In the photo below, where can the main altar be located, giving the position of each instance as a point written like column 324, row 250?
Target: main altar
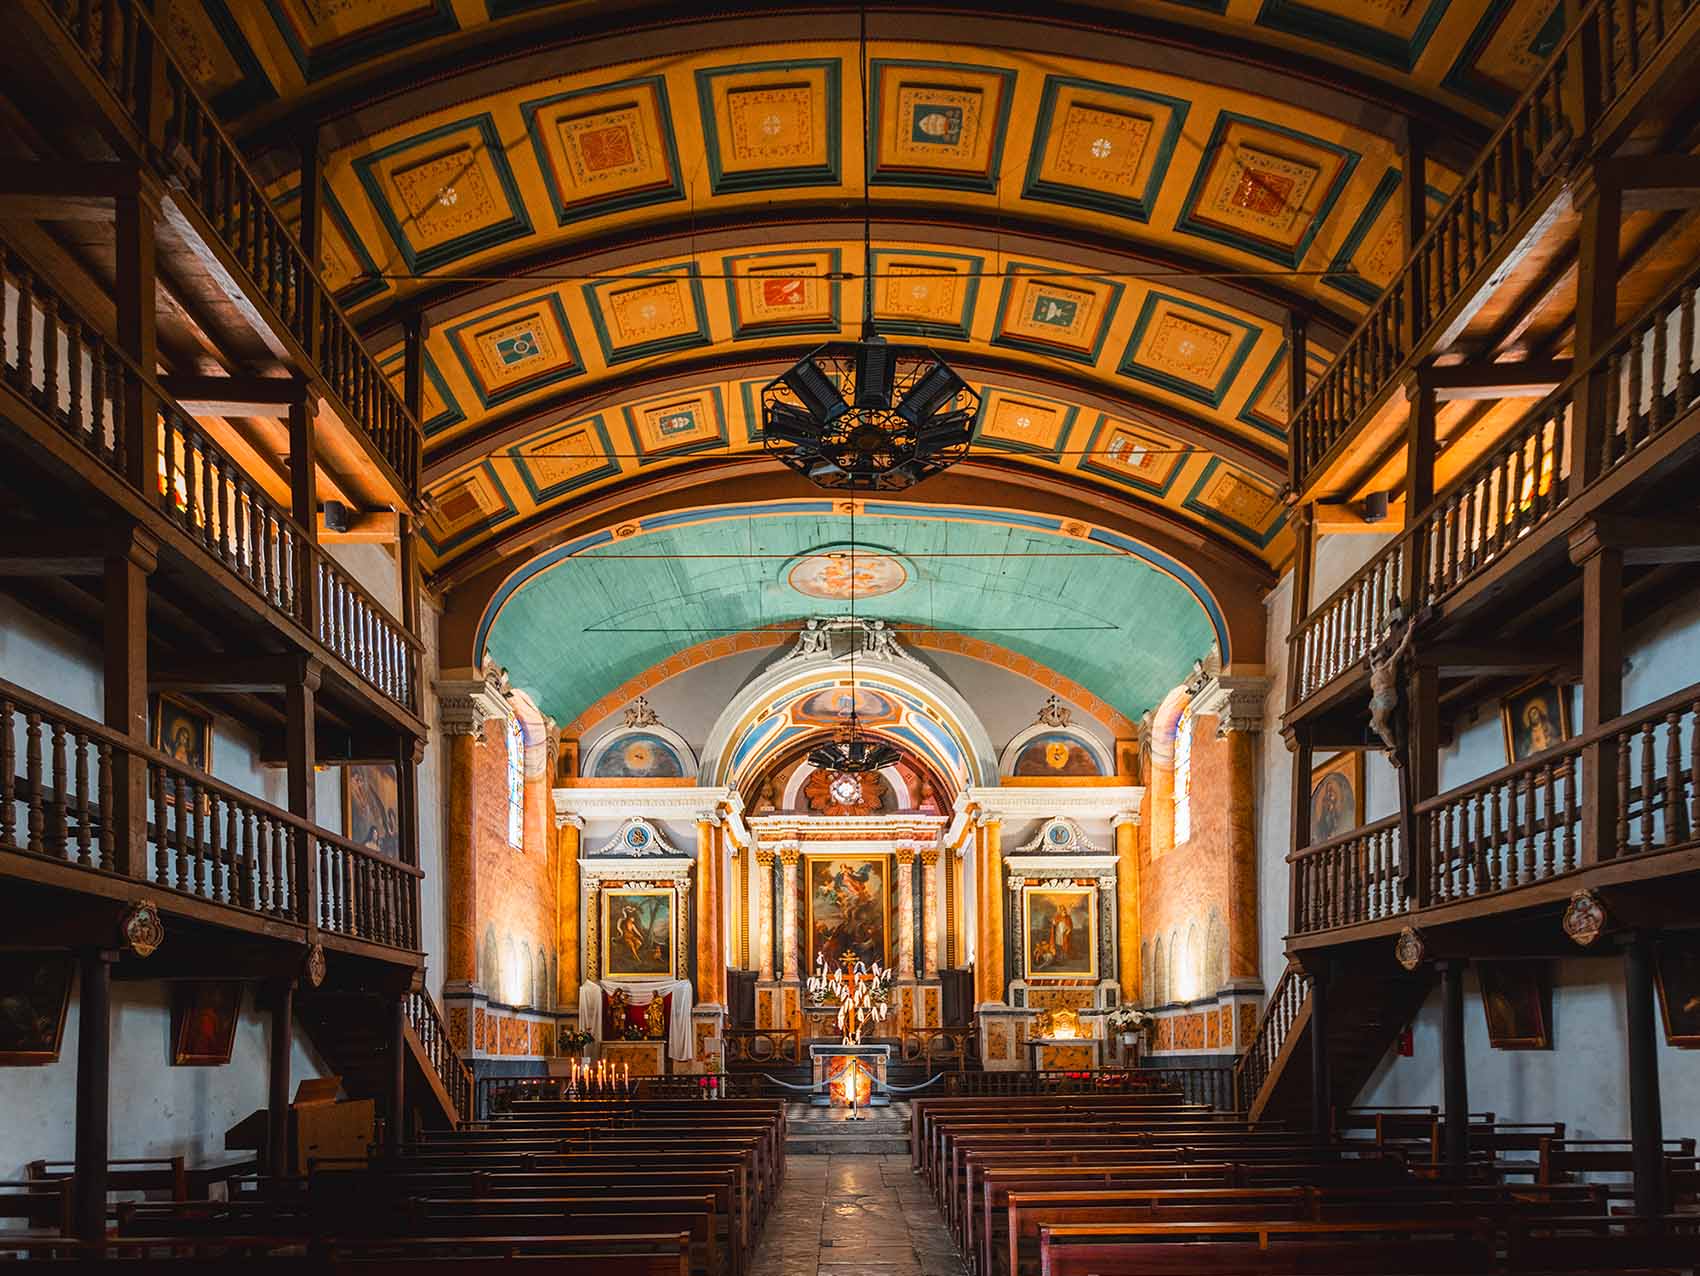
column 850, row 1076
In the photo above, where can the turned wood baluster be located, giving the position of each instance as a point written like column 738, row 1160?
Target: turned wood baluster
column 1675, row 809
column 49, row 399
column 26, row 329
column 161, row 827
column 228, row 879
column 74, row 370
column 327, row 892
column 209, row 499
column 32, row 765
column 1548, row 825
column 1660, row 339
column 81, row 743
column 244, row 845
column 103, row 766
column 1623, row 792
column 8, row 771
column 1648, row 794
column 1685, row 352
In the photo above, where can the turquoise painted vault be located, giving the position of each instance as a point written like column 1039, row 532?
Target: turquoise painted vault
column 576, row 629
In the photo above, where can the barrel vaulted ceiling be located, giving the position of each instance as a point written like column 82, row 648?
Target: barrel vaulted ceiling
column 619, row 221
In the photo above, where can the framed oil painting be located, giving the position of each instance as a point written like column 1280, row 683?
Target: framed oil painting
column 849, row 908
column 1536, row 719
column 35, row 990
column 637, row 932
column 371, row 808
column 1679, row 995
column 1336, row 796
column 203, row 1021
column 1061, row 929
column 182, row 731
column 1517, row 1002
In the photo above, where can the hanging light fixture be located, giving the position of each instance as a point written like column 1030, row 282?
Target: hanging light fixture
column 867, row 415
column 852, row 751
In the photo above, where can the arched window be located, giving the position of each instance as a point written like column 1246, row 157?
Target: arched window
column 1183, row 776
column 516, row 784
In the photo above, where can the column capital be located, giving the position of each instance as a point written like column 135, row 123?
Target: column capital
column 986, row 819
column 1124, row 817
column 563, row 819
column 1235, row 702
column 789, row 855
column 764, row 858
column 465, row 704
column 712, row 818
column 905, row 855
column 929, row 858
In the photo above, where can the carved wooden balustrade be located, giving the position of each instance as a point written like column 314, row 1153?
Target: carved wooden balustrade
column 1646, row 381
column 180, row 133
column 426, row 1020
column 59, row 362
column 1590, row 76
column 1280, row 1012
column 63, row 798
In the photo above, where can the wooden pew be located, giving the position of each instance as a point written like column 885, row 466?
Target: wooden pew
column 1562, row 1159
column 131, row 1174
column 43, row 1204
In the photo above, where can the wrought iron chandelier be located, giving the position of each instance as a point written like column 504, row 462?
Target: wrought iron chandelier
column 867, row 415
column 852, row 751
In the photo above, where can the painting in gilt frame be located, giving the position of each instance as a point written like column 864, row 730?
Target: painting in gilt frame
column 1336, row 796
column 849, row 908
column 1678, row 973
column 637, row 932
column 1517, row 1003
column 183, row 731
column 1061, row 932
column 203, row 1021
column 35, row 990
column 371, row 808
column 1536, row 719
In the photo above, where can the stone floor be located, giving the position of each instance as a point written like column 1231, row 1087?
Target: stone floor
column 854, row 1216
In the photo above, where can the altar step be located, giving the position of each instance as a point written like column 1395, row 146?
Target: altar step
column 830, row 1131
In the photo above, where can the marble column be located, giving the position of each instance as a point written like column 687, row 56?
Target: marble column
column 460, row 879
column 906, row 912
column 988, row 904
column 764, row 915
column 929, row 914
column 1128, row 925
column 1242, row 857
column 788, row 857
column 711, row 975
column 568, row 835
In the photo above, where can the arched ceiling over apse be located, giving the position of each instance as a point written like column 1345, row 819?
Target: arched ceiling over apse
column 1115, row 616
column 618, row 220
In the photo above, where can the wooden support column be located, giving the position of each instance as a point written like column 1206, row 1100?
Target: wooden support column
column 1129, row 924
column 1646, row 1117
column 1303, row 523
column 304, row 506
column 94, row 1089
column 134, row 304
column 1321, row 1080
column 1298, row 377
column 413, row 397
column 460, row 879
column 1419, row 478
column 277, row 1080
column 1602, row 685
column 301, row 758
column 128, row 565
column 395, row 1077
column 569, row 828
column 1454, row 1075
column 311, row 166
column 1421, row 779
column 1299, row 812
column 1597, row 270
column 1415, row 209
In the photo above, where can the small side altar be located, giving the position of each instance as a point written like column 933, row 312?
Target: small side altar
column 850, row 1073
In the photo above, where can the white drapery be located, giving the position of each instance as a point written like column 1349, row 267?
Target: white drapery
column 681, row 1041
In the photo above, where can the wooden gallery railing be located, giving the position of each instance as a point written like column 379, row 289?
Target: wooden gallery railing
column 426, row 1020
column 67, row 369
column 1535, row 150
column 1643, row 381
column 179, row 130
column 1281, row 1011
column 63, row 778
column 1519, row 825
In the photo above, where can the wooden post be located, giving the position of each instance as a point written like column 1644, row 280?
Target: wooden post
column 1454, row 1077
column 311, row 234
column 301, row 757
column 127, row 569
column 1421, row 780
column 1602, row 685
column 395, row 1080
column 134, row 305
column 1299, row 811
column 1597, row 268
column 1321, row 1081
column 94, row 1081
column 1419, row 474
column 1416, row 225
column 1646, row 1119
column 304, row 506
column 277, row 1080
column 1303, row 523
column 1297, row 384
column 413, row 398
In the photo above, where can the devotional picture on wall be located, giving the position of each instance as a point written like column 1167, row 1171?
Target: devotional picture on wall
column 35, row 989
column 203, row 1021
column 1056, row 753
column 371, row 808
column 640, row 755
column 1679, row 995
column 1536, row 719
column 182, row 731
column 1336, row 796
column 1061, row 931
column 849, row 908
column 637, row 932
column 1517, row 1001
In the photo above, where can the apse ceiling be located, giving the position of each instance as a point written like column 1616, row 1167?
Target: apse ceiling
column 619, row 221
column 1122, row 622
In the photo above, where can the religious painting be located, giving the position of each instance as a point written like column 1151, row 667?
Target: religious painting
column 1336, row 796
column 637, row 932
column 849, row 908
column 1536, row 719
column 371, row 808
column 838, row 575
column 829, row 708
column 641, row 755
column 203, row 1021
column 182, row 731
column 1061, row 931
column 1679, row 995
column 1517, row 1002
column 35, row 990
column 1056, row 753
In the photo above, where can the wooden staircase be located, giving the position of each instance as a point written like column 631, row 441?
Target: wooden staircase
column 351, row 1031
column 1369, row 1006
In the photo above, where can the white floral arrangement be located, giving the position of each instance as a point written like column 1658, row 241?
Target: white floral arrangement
column 1128, row 1019
column 861, row 992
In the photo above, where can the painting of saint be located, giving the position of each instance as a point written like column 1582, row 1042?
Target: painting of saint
column 203, row 1021
column 182, row 731
column 35, row 989
column 1536, row 719
column 1056, row 753
column 1516, row 1000
column 371, row 808
column 1062, row 931
column 637, row 932
column 849, row 908
column 1336, row 797
column 1679, row 995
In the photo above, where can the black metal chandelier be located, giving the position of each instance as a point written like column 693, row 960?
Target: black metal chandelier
column 852, row 751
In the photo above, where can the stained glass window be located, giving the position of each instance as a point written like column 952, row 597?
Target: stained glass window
column 516, row 785
column 1183, row 776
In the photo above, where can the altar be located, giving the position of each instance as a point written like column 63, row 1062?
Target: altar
column 850, row 1074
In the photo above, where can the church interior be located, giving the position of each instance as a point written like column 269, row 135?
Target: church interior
column 562, row 727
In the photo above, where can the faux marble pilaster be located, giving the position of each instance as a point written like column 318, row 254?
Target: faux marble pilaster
column 1128, row 923
column 930, row 914
column 905, row 912
column 764, row 915
column 788, row 859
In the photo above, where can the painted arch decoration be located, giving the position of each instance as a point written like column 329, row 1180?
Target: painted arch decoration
column 1055, row 752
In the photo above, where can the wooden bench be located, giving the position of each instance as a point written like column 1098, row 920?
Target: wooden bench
column 43, row 1204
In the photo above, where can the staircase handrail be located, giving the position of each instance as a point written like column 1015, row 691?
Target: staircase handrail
column 426, row 1019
